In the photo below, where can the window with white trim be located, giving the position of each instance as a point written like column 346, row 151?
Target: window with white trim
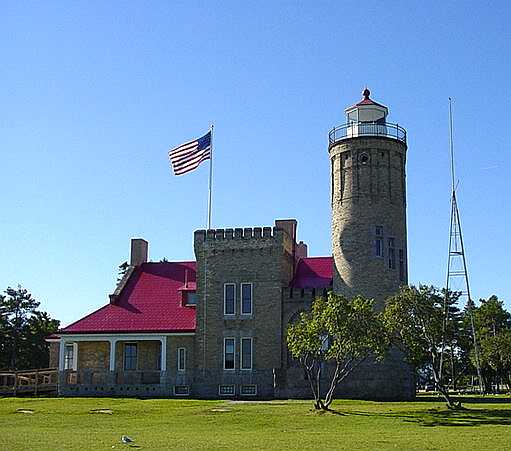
column 246, row 353
column 229, row 353
column 229, row 299
column 130, row 356
column 246, row 299
column 226, row 390
column 69, row 357
column 248, row 390
column 378, row 241
column 181, row 359
column 181, row 390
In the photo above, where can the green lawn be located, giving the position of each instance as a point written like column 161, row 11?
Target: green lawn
column 159, row 424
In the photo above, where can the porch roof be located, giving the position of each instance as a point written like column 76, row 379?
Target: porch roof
column 151, row 301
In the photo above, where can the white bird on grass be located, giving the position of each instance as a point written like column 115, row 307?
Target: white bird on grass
column 127, row 440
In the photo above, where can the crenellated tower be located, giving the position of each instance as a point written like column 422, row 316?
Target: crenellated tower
column 368, row 197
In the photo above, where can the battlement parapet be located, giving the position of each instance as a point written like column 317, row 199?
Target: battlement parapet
column 238, row 233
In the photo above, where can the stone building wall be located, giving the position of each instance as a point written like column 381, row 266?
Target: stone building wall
column 260, row 256
column 94, row 355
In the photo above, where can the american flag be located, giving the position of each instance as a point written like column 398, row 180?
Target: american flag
column 190, row 155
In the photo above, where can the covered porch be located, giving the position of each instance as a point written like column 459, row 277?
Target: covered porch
column 129, row 365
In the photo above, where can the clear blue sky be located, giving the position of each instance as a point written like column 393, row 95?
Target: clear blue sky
column 94, row 93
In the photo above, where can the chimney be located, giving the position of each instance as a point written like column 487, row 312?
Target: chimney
column 289, row 225
column 301, row 250
column 139, row 250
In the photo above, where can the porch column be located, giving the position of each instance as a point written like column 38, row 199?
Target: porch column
column 163, row 353
column 112, row 341
column 62, row 349
column 163, row 360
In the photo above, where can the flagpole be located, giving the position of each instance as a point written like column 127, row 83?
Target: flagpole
column 210, row 178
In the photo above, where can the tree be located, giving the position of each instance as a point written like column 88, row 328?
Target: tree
column 35, row 349
column 24, row 329
column 496, row 353
column 337, row 332
column 490, row 320
column 491, row 317
column 414, row 318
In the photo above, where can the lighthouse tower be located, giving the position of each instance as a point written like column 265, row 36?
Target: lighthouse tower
column 368, row 157
column 368, row 197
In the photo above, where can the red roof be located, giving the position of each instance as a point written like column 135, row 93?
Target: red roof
column 151, row 301
column 313, row 272
column 366, row 100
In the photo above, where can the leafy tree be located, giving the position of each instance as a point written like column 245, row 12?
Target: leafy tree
column 496, row 353
column 35, row 350
column 339, row 332
column 490, row 320
column 453, row 361
column 24, row 329
column 415, row 319
column 491, row 317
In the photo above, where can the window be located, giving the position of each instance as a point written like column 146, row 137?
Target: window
column 401, row 265
column 246, row 353
column 392, row 253
column 246, row 299
column 378, row 241
column 248, row 390
column 229, row 299
column 229, row 344
column 191, row 298
column 130, row 356
column 69, row 357
column 181, row 390
column 158, row 357
column 181, row 359
column 226, row 390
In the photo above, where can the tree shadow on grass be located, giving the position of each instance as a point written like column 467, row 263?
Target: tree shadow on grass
column 446, row 417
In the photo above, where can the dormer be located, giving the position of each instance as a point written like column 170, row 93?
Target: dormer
column 188, row 292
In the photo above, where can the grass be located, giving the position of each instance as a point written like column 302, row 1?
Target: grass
column 160, row 424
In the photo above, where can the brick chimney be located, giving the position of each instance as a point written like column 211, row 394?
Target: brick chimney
column 301, row 250
column 139, row 251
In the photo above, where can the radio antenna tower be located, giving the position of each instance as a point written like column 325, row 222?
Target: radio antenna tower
column 457, row 273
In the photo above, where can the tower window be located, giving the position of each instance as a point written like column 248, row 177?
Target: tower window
column 229, row 299
column 392, row 253
column 246, row 299
column 378, row 241
column 246, row 353
column 229, row 345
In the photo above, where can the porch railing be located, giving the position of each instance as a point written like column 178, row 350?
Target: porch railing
column 29, row 382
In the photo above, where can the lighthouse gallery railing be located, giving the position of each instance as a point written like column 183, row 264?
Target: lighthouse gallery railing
column 356, row 129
